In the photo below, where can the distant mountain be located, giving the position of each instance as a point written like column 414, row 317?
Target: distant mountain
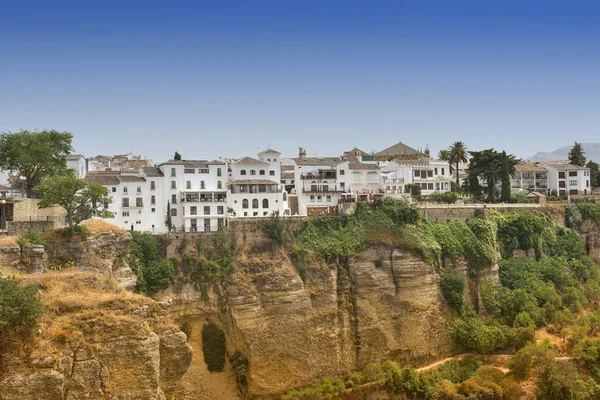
column 592, row 152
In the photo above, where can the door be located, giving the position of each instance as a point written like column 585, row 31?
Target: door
column 194, row 225
column 207, row 225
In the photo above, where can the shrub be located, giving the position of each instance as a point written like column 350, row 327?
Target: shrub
column 153, row 272
column 187, row 329
column 274, row 229
column 573, row 217
column 240, row 366
column 31, row 237
column 453, row 286
column 213, row 347
column 446, row 197
column 19, row 310
column 327, row 389
column 560, row 381
column 416, row 189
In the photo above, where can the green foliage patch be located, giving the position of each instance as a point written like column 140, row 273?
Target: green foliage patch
column 20, row 309
column 213, row 347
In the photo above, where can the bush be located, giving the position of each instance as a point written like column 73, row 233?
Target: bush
column 446, row 197
column 240, row 366
column 573, row 217
column 560, row 381
column 416, row 189
column 274, row 229
column 187, row 329
column 327, row 389
column 153, row 272
column 213, row 347
column 19, row 310
column 453, row 286
column 31, row 237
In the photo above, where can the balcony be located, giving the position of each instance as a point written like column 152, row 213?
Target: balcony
column 319, row 175
column 320, row 189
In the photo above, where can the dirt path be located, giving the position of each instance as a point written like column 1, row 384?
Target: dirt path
column 198, row 382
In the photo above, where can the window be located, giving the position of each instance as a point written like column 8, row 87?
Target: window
column 292, row 182
column 319, row 198
column 561, row 184
column 218, row 171
column 329, row 198
column 573, row 183
column 193, row 210
column 312, row 198
column 262, row 172
column 561, row 175
column 430, row 186
column 265, row 203
column 138, row 222
column 139, row 212
column 342, row 185
column 443, row 172
column 262, row 188
column 174, row 198
column 252, row 172
column 265, row 213
column 125, row 202
column 435, row 171
column 173, row 212
column 206, row 210
column 274, row 159
column 202, row 185
column 114, row 189
column 272, row 173
column 203, row 170
column 219, row 185
column 139, row 202
column 255, row 214
column 125, row 213
column 429, row 174
column 188, row 184
column 572, row 173
column 243, row 172
column 245, row 203
column 342, row 172
column 153, row 210
column 124, row 189
column 245, row 214
column 417, row 174
column 189, row 170
column 152, row 199
column 173, row 185
column 220, row 210
column 152, row 185
column 255, row 203
column 139, row 189
column 173, row 172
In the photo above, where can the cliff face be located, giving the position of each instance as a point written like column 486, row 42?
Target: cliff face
column 96, row 342
column 378, row 305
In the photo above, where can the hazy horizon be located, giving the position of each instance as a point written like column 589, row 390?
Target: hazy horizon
column 230, row 79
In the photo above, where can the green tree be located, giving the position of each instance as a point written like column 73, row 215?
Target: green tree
column 168, row 220
column 453, row 286
column 458, row 154
column 19, row 310
column 153, row 272
column 80, row 199
column 34, row 155
column 594, row 173
column 177, row 156
column 560, row 381
column 274, row 228
column 492, row 167
column 577, row 155
column 415, row 188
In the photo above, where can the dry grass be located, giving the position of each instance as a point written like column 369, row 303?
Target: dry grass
column 98, row 226
column 87, row 307
column 6, row 241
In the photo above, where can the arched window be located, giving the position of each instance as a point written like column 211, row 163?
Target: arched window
column 255, row 203
column 245, row 203
column 252, row 172
column 272, row 173
column 268, row 159
column 265, row 203
column 262, row 172
column 274, row 159
column 243, row 172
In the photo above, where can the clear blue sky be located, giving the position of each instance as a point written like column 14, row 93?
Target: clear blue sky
column 227, row 78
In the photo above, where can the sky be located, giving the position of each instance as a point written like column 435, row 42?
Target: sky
column 230, row 78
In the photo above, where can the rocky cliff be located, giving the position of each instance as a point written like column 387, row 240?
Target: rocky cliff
column 95, row 341
column 378, row 305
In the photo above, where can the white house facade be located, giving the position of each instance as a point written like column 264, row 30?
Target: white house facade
column 253, row 187
column 567, row 179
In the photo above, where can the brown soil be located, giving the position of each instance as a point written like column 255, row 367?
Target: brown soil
column 198, row 382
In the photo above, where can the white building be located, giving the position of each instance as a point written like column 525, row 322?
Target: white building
column 77, row 163
column 432, row 175
column 567, row 179
column 530, row 177
column 196, row 192
column 254, row 189
column 137, row 198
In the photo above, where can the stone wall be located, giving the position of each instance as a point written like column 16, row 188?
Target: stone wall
column 443, row 213
column 18, row 227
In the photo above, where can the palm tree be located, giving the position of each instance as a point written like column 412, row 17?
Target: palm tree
column 458, row 154
column 444, row 155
